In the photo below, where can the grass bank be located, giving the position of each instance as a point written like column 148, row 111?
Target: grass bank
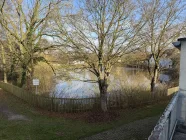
column 51, row 126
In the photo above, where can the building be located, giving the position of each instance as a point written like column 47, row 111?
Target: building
column 163, row 63
column 172, row 123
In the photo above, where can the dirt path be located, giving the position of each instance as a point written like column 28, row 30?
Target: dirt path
column 6, row 112
column 138, row 130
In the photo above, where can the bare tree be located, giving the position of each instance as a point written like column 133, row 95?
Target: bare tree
column 100, row 33
column 165, row 23
column 26, row 24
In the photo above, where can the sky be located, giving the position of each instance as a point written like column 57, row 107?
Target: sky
column 75, row 3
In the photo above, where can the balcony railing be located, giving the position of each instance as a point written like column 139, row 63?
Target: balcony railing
column 166, row 125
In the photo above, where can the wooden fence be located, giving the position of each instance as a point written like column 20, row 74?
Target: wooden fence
column 76, row 104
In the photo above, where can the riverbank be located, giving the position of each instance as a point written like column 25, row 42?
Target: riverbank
column 46, row 125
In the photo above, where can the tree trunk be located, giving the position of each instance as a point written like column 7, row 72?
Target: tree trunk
column 12, row 75
column 23, row 76
column 4, row 64
column 31, row 76
column 4, row 74
column 103, row 94
column 152, row 86
column 154, row 80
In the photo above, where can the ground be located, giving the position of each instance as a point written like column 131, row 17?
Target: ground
column 20, row 121
column 8, row 113
column 138, row 130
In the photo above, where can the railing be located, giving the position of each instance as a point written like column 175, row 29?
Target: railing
column 165, row 127
column 82, row 104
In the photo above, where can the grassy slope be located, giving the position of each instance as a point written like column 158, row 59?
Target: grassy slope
column 43, row 127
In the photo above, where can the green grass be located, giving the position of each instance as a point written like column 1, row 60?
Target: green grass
column 42, row 127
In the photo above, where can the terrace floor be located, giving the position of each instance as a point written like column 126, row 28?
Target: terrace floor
column 180, row 133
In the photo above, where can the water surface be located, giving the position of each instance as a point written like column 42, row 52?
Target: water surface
column 120, row 77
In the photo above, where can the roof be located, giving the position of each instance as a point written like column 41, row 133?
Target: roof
column 178, row 43
column 182, row 39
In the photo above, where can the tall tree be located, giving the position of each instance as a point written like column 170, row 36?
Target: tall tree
column 100, row 33
column 165, row 23
column 26, row 24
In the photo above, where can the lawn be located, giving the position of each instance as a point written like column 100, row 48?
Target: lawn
column 44, row 126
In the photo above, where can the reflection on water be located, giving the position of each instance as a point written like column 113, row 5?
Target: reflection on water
column 120, row 77
column 74, row 89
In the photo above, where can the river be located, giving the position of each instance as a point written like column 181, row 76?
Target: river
column 120, row 77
